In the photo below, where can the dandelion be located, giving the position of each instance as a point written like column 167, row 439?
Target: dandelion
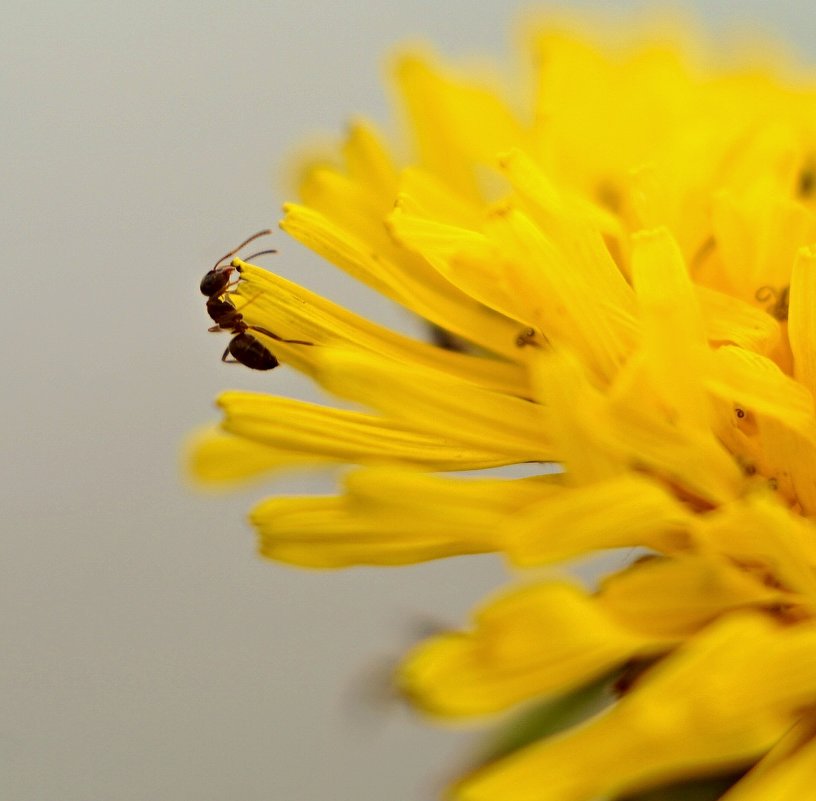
column 622, row 281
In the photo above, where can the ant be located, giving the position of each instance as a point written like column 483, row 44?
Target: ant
column 243, row 347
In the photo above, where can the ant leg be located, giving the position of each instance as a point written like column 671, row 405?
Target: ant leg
column 225, row 354
column 279, row 338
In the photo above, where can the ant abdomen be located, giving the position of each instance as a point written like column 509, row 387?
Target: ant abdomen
column 247, row 350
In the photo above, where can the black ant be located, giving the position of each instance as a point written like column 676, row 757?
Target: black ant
column 243, row 347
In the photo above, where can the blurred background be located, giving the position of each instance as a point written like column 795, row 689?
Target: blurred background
column 147, row 652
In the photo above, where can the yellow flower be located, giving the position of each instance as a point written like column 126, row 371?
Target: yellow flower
column 624, row 275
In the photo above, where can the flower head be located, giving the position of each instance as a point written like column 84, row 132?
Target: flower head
column 622, row 281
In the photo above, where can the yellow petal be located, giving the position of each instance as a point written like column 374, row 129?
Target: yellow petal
column 538, row 640
column 788, row 773
column 579, row 412
column 673, row 331
column 336, row 435
column 692, row 459
column 454, row 123
column 293, row 312
column 462, row 502
column 767, row 417
column 576, row 222
column 424, row 194
column 216, row 458
column 802, row 318
column 758, row 232
column 464, row 257
column 678, row 596
column 404, row 277
column 623, row 512
column 377, row 521
column 597, row 436
column 560, row 299
column 368, row 162
column 326, row 533
column 728, row 320
column 716, row 704
column 446, row 409
column 763, row 536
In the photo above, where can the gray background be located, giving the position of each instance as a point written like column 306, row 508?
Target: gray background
column 147, row 653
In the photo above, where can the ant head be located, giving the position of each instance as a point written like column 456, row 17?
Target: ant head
column 215, row 280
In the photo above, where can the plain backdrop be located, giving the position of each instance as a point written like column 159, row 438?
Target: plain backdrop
column 147, row 653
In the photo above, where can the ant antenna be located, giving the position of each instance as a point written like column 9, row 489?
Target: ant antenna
column 244, row 243
column 259, row 253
